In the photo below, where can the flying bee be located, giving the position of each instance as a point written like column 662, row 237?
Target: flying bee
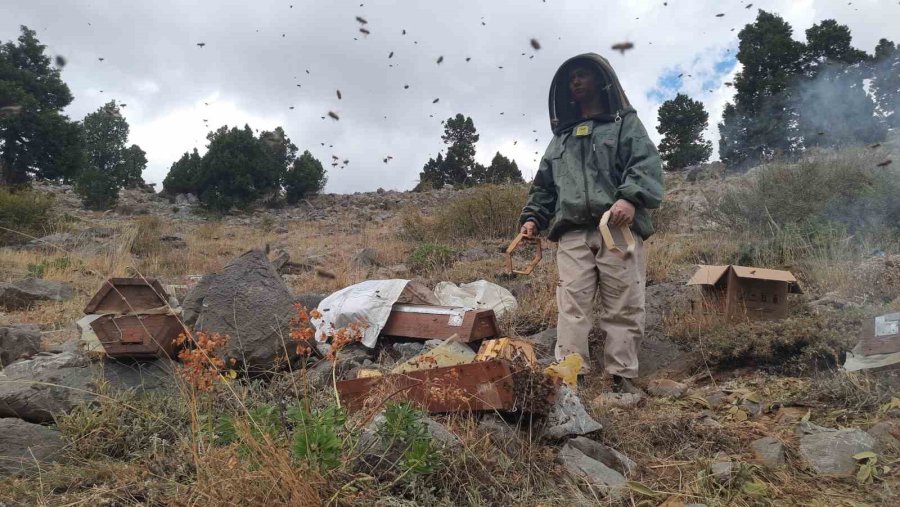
column 334, row 116
column 622, row 47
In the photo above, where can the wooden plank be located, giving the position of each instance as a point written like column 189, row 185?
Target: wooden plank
column 127, row 295
column 425, row 322
column 486, row 385
column 138, row 336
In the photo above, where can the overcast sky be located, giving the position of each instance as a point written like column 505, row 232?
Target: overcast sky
column 257, row 53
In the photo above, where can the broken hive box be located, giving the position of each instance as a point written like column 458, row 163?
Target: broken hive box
column 741, row 291
column 881, row 335
column 135, row 321
column 429, row 322
column 486, row 385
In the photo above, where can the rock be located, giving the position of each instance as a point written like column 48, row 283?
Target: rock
column 24, row 445
column 280, row 230
column 309, row 300
column 666, row 387
column 830, row 451
column 249, row 302
column 597, row 474
column 568, row 417
column 40, row 388
column 193, row 301
column 617, row 400
column 365, row 258
column 544, row 342
column 24, row 293
column 721, row 468
column 751, row 407
column 768, row 451
column 887, row 433
column 605, row 454
column 407, row 350
column 18, row 342
column 172, row 242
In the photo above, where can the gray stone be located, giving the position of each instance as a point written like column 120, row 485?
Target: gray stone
column 193, row 301
column 475, row 254
column 24, row 445
column 24, row 293
column 45, row 386
column 605, row 454
column 667, row 387
column 544, row 342
column 249, row 302
column 365, row 258
column 280, row 230
column 594, row 472
column 887, row 433
column 721, row 468
column 617, row 400
column 408, row 350
column 568, row 417
column 829, row 451
column 768, row 451
column 309, row 300
column 18, row 342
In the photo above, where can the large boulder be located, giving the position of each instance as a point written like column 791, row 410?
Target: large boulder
column 249, row 302
column 24, row 293
column 45, row 386
column 830, row 451
column 24, row 445
column 18, row 342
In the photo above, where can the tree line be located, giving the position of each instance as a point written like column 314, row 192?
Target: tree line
column 39, row 142
column 790, row 96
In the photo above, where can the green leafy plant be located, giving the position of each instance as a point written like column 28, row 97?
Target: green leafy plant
column 316, row 438
column 39, row 269
column 404, row 428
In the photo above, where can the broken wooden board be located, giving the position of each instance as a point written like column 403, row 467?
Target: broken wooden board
column 486, row 385
column 429, row 322
column 510, row 349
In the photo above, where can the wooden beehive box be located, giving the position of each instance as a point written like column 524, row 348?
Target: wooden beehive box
column 427, row 322
column 138, row 336
column 133, row 322
column 127, row 295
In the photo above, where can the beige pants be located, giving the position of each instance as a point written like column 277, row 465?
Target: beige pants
column 584, row 266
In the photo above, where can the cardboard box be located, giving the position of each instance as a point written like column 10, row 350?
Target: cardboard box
column 741, row 291
column 881, row 335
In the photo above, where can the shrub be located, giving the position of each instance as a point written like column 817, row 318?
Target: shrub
column 98, row 190
column 485, row 212
column 39, row 269
column 430, row 256
column 23, row 215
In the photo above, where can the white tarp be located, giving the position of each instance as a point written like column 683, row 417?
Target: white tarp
column 480, row 295
column 370, row 302
column 857, row 361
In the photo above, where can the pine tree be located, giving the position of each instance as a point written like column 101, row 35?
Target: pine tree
column 502, row 170
column 833, row 107
column 110, row 165
column 184, row 175
column 682, row 121
column 886, row 81
column 760, row 121
column 36, row 140
column 305, row 177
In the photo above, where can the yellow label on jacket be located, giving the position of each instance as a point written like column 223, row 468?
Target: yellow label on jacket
column 582, row 130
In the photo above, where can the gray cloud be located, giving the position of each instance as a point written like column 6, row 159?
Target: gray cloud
column 256, row 53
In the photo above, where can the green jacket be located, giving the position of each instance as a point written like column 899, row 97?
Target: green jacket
column 591, row 163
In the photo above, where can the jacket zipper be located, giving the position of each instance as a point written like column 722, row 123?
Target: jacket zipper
column 587, row 199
